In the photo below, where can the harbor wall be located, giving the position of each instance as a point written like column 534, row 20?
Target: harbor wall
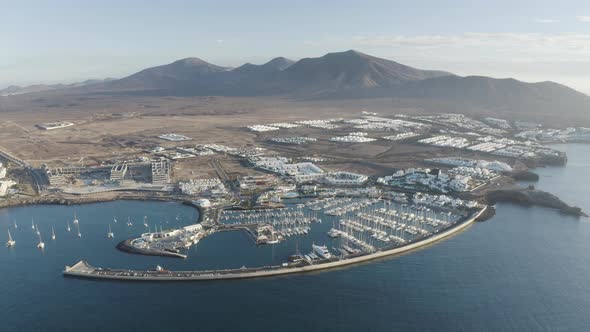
column 237, row 274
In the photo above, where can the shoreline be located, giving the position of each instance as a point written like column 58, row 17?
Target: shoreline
column 84, row 270
column 94, row 198
column 508, row 194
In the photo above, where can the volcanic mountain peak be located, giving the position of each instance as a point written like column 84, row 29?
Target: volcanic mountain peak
column 191, row 62
column 280, row 63
column 276, row 64
column 355, row 70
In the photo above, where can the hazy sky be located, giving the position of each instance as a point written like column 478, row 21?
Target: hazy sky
column 64, row 41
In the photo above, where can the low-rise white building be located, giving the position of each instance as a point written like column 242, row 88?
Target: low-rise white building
column 202, row 186
column 5, row 185
column 460, row 180
column 300, row 172
column 345, row 179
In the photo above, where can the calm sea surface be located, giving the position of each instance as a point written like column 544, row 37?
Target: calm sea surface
column 527, row 269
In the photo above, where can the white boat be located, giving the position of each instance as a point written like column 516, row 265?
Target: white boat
column 10, row 242
column 273, row 239
column 52, row 233
column 145, row 221
column 15, row 225
column 333, row 233
column 115, row 220
column 110, row 234
column 68, row 228
column 41, row 244
column 75, row 219
column 78, row 227
column 32, row 224
column 322, row 251
column 37, row 230
column 129, row 224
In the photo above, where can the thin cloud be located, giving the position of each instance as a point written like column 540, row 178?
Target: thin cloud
column 583, row 18
column 537, row 44
column 546, row 20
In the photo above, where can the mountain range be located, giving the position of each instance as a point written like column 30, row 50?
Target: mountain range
column 17, row 90
column 348, row 74
column 330, row 75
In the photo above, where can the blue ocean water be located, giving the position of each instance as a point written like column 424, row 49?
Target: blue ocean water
column 526, row 269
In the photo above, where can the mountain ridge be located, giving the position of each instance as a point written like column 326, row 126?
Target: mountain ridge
column 17, row 89
column 342, row 75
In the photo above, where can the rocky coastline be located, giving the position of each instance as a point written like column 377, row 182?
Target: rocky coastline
column 532, row 197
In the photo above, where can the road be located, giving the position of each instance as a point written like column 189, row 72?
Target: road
column 219, row 169
column 38, row 177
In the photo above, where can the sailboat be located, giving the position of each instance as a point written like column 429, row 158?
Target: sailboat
column 78, row 227
column 10, row 242
column 115, row 219
column 52, row 233
column 37, row 230
column 75, row 219
column 41, row 244
column 32, row 224
column 15, row 225
column 110, row 234
column 145, row 221
column 68, row 228
column 129, row 224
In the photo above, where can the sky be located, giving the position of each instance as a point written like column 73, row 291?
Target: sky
column 63, row 41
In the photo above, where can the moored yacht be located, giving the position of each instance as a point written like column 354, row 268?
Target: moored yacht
column 322, row 251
